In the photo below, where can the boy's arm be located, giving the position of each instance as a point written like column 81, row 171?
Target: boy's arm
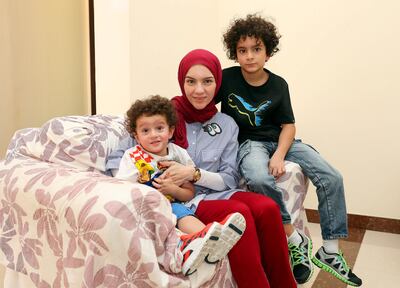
column 183, row 193
column 276, row 166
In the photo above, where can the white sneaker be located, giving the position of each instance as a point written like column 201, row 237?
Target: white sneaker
column 232, row 229
column 197, row 246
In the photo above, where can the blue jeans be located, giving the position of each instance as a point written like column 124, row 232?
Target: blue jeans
column 253, row 164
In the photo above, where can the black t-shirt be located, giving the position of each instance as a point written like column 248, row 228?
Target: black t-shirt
column 259, row 111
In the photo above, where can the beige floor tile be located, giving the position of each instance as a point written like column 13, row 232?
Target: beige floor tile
column 378, row 261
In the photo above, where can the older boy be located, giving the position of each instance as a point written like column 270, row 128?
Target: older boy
column 259, row 101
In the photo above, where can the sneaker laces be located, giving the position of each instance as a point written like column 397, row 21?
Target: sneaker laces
column 298, row 254
column 343, row 261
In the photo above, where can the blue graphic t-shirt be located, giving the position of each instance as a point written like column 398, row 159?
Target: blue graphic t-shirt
column 259, row 111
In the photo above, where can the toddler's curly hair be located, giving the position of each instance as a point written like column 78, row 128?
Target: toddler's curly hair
column 153, row 105
column 251, row 26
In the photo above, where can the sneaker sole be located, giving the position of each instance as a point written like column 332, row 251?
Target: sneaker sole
column 198, row 255
column 232, row 230
column 328, row 269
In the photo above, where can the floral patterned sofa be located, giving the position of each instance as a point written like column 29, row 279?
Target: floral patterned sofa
column 64, row 223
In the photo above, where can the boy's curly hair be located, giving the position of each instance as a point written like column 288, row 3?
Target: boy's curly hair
column 153, row 105
column 251, row 26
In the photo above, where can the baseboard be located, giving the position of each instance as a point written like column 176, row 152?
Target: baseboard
column 363, row 222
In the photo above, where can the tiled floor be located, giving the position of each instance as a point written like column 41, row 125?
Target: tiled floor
column 374, row 256
column 379, row 257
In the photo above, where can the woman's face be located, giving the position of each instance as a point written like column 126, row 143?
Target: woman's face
column 199, row 86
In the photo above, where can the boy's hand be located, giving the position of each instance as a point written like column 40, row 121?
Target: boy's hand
column 276, row 166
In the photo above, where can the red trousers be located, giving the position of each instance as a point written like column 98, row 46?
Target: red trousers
column 260, row 258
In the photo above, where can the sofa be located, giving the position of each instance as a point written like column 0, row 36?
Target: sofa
column 65, row 223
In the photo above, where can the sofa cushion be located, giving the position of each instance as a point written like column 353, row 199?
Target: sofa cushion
column 83, row 142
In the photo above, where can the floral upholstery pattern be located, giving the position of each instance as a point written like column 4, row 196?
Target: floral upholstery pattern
column 294, row 185
column 66, row 224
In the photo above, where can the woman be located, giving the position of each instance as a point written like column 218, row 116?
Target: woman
column 260, row 258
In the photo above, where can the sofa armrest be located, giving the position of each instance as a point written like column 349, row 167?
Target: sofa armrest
column 294, row 185
column 63, row 225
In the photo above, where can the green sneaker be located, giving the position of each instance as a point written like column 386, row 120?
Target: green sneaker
column 300, row 259
column 336, row 265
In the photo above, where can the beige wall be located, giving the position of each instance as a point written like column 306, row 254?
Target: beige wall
column 7, row 102
column 341, row 61
column 139, row 45
column 44, row 62
column 160, row 38
column 112, row 40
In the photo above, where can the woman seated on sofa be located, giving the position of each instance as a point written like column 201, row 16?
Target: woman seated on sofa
column 260, row 258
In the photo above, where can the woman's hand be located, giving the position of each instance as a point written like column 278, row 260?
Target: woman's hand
column 165, row 186
column 177, row 172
